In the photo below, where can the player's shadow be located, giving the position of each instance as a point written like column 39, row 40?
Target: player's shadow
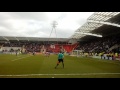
column 59, row 68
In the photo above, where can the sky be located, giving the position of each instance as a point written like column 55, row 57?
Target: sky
column 40, row 24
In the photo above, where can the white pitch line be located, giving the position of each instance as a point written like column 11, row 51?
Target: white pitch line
column 21, row 58
column 62, row 74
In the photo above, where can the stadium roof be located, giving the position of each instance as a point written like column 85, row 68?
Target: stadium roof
column 99, row 24
column 11, row 38
column 96, row 25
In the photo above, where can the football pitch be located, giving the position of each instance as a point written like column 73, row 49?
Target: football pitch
column 39, row 66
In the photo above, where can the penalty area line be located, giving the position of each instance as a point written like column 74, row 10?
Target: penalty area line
column 21, row 58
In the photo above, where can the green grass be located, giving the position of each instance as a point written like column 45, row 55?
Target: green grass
column 39, row 66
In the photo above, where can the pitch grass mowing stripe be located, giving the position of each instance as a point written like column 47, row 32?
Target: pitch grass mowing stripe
column 109, row 62
column 62, row 74
column 21, row 58
column 103, row 60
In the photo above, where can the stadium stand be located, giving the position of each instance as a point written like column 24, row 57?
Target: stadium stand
column 99, row 35
column 105, row 24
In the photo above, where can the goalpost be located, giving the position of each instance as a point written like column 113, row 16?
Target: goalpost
column 77, row 53
column 1, row 49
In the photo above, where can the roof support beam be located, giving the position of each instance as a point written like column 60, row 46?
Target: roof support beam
column 16, row 38
column 5, row 38
column 89, row 34
column 108, row 23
